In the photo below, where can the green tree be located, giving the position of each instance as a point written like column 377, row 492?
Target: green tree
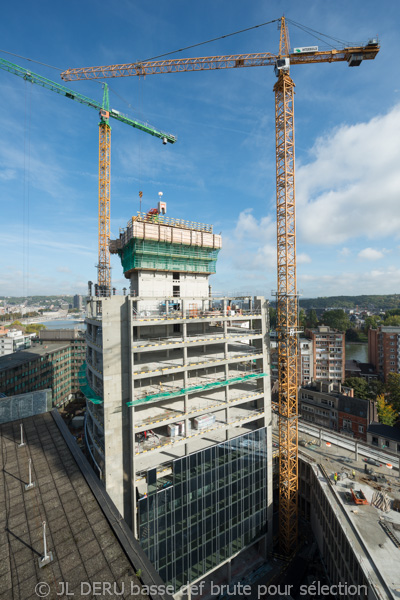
column 272, row 317
column 386, row 413
column 34, row 328
column 311, row 319
column 392, row 388
column 360, row 387
column 302, row 318
column 337, row 319
column 371, row 323
column 392, row 321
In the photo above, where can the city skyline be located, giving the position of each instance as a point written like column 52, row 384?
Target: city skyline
column 222, row 169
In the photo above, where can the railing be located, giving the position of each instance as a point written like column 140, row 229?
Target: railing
column 192, row 313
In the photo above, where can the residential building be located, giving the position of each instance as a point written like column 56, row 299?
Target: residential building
column 384, row 436
column 334, row 407
column 178, row 403
column 13, row 340
column 53, row 365
column 384, row 350
column 305, row 361
column 328, row 354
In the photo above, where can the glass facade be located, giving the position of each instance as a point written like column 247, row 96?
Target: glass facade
column 213, row 505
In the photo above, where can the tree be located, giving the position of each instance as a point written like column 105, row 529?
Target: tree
column 387, row 415
column 392, row 321
column 360, row 387
column 371, row 322
column 272, row 317
column 336, row 319
column 311, row 319
column 392, row 388
column 302, row 318
column 34, row 328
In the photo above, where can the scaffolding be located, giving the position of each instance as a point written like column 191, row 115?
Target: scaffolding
column 164, row 256
column 85, row 388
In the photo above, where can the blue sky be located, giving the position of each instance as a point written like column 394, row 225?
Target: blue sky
column 222, row 169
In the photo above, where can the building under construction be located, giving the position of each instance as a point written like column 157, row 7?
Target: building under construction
column 178, row 413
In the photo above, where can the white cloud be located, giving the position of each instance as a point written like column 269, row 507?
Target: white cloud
column 303, row 258
column 351, row 187
column 344, row 252
column 370, row 254
column 249, row 228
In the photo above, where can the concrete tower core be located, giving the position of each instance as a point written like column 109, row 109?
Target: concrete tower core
column 178, row 403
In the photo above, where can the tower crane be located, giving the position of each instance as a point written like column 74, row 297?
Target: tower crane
column 287, row 300
column 103, row 268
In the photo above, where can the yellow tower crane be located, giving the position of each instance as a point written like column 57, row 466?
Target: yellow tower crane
column 287, row 304
column 103, row 287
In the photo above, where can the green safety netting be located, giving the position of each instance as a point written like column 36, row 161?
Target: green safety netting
column 140, row 254
column 85, row 387
column 195, row 388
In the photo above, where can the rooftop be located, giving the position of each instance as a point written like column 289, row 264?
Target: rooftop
column 10, row 361
column 392, row 433
column 373, row 533
column 87, row 537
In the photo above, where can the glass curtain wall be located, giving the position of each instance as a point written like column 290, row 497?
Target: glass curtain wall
column 213, row 506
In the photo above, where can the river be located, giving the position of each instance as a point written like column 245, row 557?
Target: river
column 66, row 324
column 357, row 351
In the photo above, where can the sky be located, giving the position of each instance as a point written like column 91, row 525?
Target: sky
column 222, row 168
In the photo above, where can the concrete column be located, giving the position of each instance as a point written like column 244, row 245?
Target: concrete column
column 356, row 451
column 117, row 391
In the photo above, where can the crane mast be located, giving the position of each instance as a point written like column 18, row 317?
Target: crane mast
column 287, row 300
column 104, row 267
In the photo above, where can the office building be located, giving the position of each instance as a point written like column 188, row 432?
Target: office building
column 48, row 364
column 178, row 403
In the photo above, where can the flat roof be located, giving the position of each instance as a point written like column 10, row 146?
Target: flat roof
column 10, row 361
column 365, row 526
column 90, row 543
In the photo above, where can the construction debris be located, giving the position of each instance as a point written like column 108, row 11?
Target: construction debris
column 381, row 500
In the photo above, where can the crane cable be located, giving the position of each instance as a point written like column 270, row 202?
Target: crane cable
column 26, row 191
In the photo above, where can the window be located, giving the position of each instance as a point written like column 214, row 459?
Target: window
column 361, row 429
column 374, row 441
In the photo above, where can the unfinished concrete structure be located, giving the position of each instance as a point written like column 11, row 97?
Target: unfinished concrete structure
column 178, row 412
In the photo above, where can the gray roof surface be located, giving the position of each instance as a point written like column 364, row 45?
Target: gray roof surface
column 81, row 538
column 392, row 433
column 20, row 357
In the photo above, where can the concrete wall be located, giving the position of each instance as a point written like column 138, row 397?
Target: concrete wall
column 116, row 362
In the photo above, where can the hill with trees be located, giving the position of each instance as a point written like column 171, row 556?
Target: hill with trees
column 372, row 302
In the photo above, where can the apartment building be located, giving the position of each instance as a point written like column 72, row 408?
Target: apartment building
column 305, row 361
column 328, row 354
column 178, row 403
column 334, row 407
column 384, row 350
